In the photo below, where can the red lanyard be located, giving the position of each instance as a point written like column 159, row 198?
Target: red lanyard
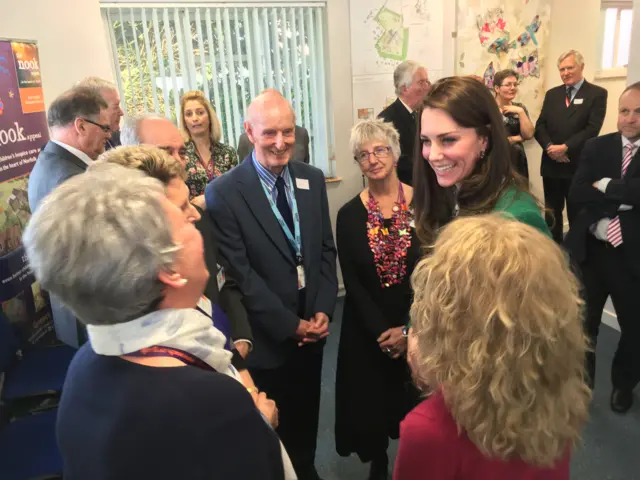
column 158, row 351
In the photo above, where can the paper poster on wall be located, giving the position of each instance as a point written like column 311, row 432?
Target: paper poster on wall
column 494, row 36
column 23, row 132
column 387, row 32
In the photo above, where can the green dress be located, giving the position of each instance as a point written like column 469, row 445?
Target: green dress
column 223, row 159
column 523, row 208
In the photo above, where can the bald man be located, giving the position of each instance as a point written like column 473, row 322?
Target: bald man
column 271, row 221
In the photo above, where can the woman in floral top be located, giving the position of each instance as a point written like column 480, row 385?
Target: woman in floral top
column 207, row 158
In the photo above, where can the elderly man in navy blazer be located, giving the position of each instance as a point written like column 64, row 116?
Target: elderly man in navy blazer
column 271, row 220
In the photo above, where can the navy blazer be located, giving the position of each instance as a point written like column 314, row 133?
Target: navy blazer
column 262, row 262
column 53, row 167
column 572, row 126
column 602, row 158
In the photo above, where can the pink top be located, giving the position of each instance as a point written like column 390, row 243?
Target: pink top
column 430, row 448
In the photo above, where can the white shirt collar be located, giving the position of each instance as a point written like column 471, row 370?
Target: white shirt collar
column 78, row 153
column 406, row 106
column 626, row 141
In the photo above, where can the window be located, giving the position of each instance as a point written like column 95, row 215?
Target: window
column 616, row 36
column 231, row 54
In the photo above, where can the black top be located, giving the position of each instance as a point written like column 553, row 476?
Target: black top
column 119, row 420
column 373, row 391
column 512, row 126
column 377, row 309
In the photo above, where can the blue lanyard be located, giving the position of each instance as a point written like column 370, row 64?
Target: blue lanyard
column 295, row 242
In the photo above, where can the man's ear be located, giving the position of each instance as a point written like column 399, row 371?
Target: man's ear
column 172, row 279
column 80, row 126
column 249, row 129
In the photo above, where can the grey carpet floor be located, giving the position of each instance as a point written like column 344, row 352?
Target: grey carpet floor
column 610, row 447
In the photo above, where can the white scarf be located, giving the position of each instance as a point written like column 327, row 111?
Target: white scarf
column 184, row 329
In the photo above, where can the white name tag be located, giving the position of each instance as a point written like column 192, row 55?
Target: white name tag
column 578, row 101
column 302, row 183
column 302, row 282
column 220, row 277
column 205, row 305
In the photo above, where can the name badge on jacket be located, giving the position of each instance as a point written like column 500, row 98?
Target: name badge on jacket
column 302, row 183
column 220, row 277
column 302, row 282
column 578, row 101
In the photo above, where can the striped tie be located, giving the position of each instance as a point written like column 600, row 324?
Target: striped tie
column 614, row 233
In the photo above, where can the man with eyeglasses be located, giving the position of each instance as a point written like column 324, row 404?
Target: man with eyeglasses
column 110, row 93
column 78, row 122
column 412, row 84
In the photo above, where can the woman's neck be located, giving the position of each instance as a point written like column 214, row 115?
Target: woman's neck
column 202, row 140
column 387, row 187
column 502, row 102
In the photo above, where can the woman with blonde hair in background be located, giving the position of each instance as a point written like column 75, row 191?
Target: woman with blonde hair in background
column 207, row 157
column 497, row 336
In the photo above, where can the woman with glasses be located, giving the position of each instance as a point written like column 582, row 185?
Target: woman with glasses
column 207, row 157
column 515, row 116
column 377, row 249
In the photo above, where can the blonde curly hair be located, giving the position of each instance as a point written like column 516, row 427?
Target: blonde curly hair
column 497, row 327
column 151, row 160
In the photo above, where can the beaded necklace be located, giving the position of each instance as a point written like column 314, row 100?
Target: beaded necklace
column 389, row 245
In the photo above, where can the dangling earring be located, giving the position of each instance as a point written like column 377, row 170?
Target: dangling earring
column 483, row 154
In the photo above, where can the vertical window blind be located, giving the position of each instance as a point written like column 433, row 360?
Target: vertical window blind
column 229, row 52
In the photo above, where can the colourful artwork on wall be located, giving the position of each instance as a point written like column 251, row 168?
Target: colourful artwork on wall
column 496, row 35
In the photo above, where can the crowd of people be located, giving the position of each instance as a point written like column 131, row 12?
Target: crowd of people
column 200, row 280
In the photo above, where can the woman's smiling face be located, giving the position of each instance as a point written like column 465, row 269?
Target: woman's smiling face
column 451, row 150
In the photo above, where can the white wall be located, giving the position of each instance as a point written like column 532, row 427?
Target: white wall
column 70, row 39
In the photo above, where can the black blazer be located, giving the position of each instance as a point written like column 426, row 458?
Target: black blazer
column 602, row 158
column 229, row 297
column 53, row 167
column 405, row 124
column 572, row 126
column 261, row 261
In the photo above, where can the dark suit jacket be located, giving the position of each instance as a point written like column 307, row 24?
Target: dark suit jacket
column 53, row 166
column 602, row 158
column 262, row 262
column 405, row 124
column 572, row 126
column 300, row 152
column 229, row 297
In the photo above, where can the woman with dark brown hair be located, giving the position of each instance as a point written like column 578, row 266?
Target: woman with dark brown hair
column 515, row 117
column 464, row 164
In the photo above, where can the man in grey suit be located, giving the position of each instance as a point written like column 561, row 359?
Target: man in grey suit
column 300, row 150
column 78, row 121
column 271, row 220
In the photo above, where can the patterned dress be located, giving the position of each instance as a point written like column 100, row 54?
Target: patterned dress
column 223, row 159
